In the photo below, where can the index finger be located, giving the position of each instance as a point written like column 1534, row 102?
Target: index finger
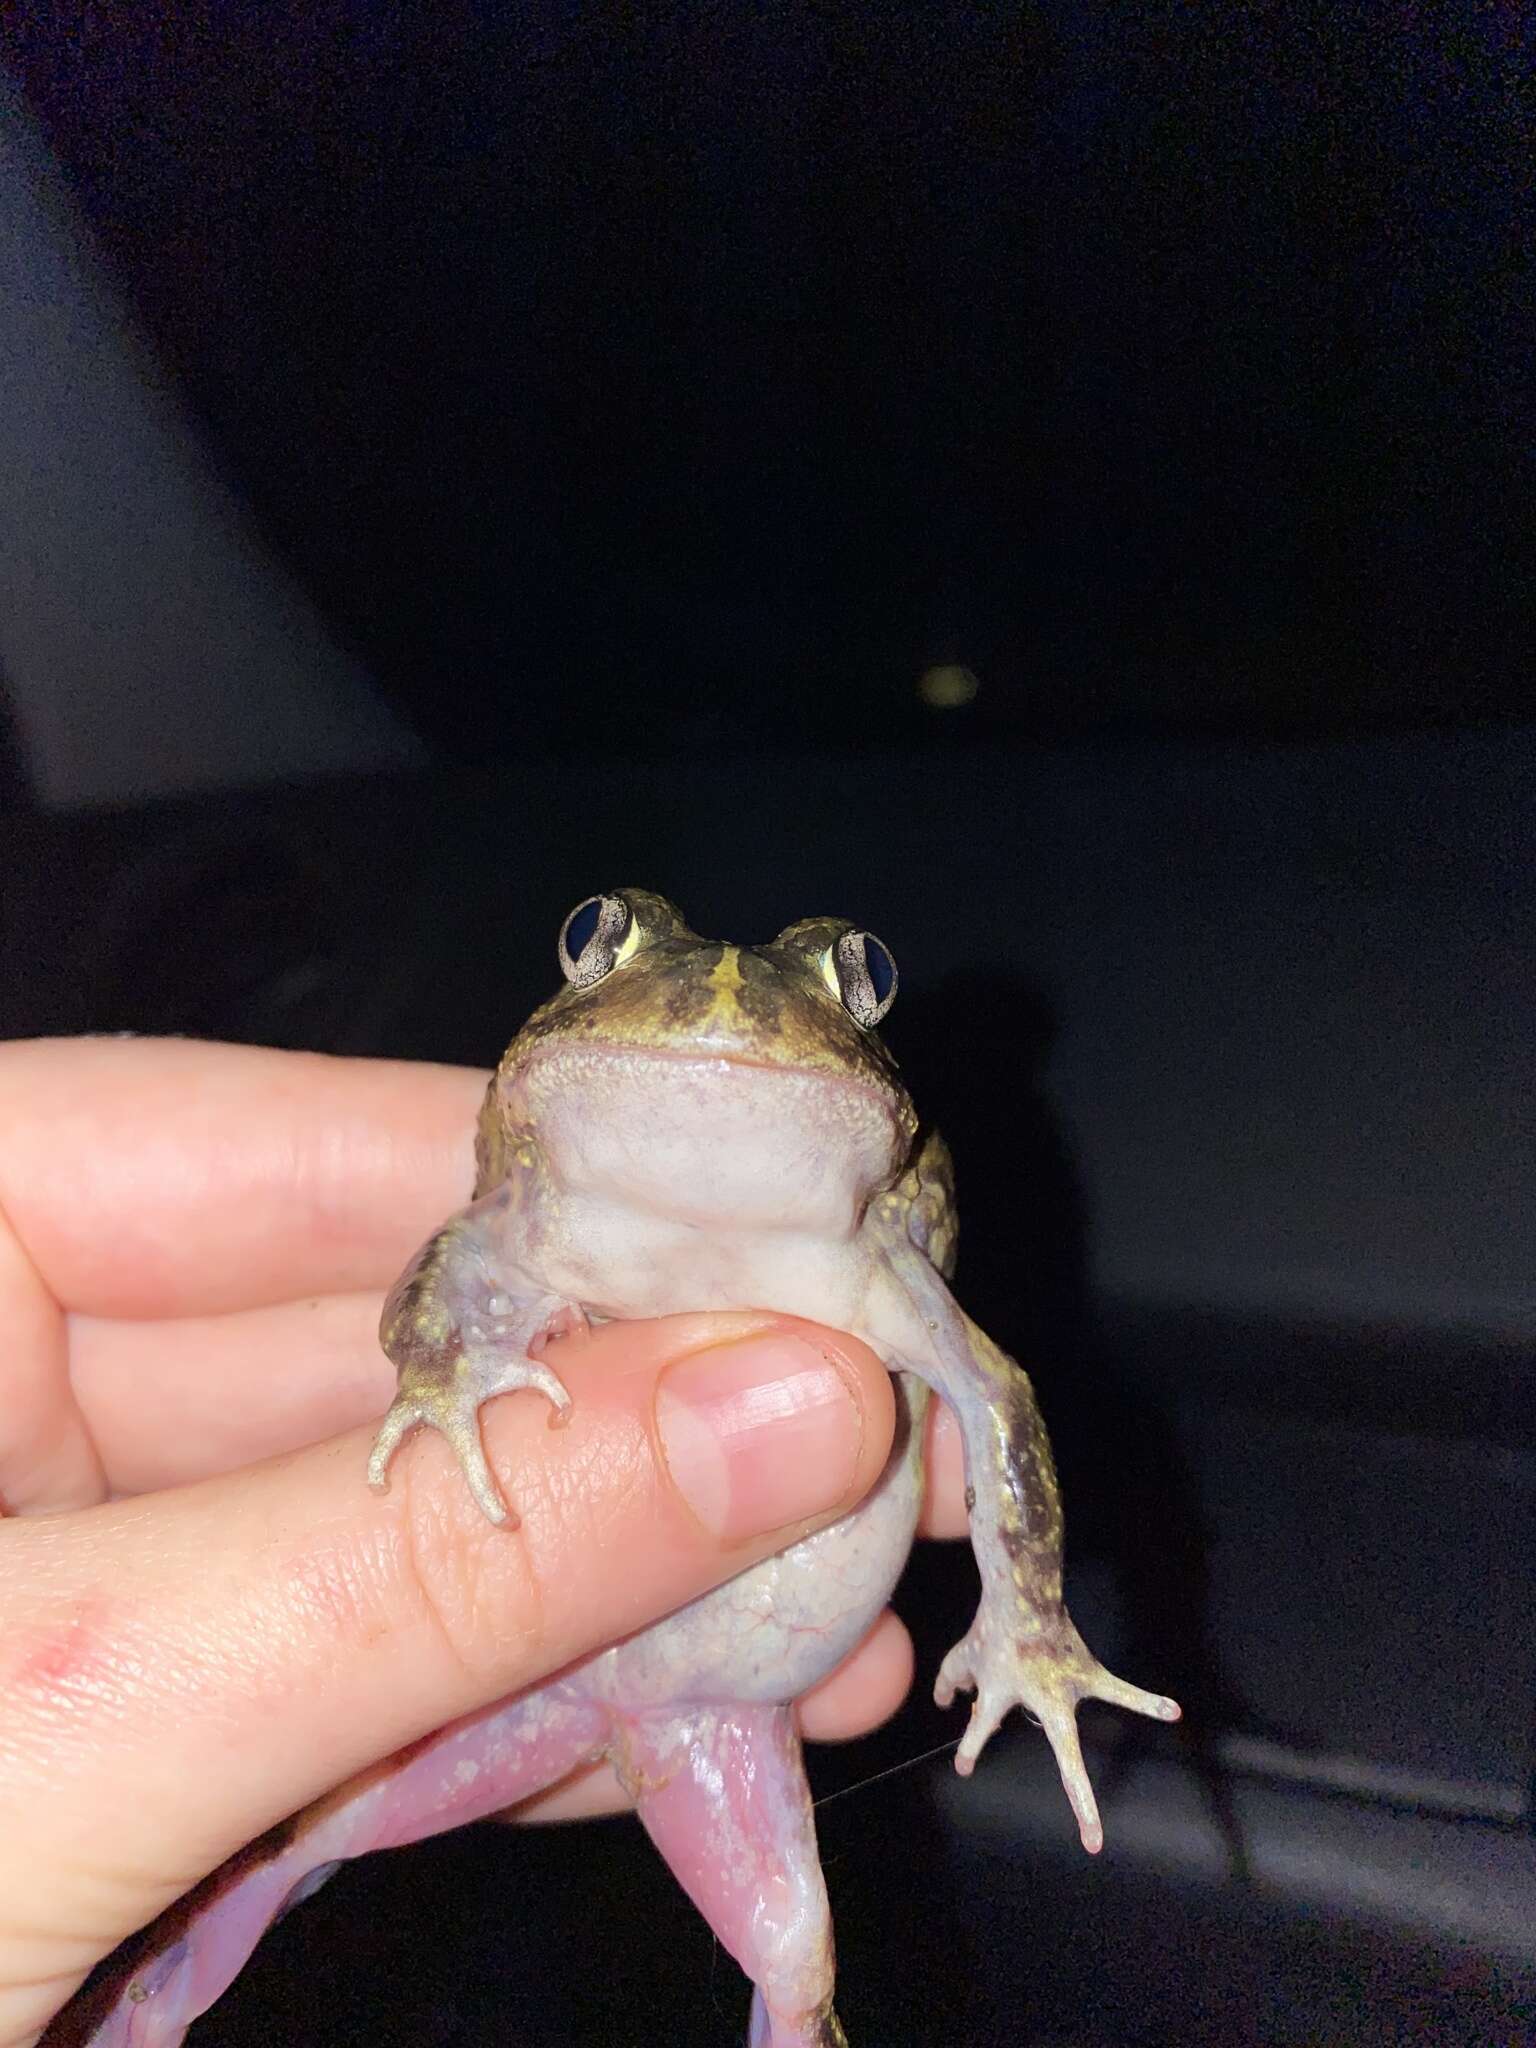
column 167, row 1177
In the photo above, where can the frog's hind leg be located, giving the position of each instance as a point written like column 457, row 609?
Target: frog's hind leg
column 723, row 1795
column 193, row 1953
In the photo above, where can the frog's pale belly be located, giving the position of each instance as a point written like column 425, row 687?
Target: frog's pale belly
column 620, row 1261
column 784, row 1624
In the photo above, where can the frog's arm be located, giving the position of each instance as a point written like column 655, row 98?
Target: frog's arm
column 458, row 1326
column 1022, row 1649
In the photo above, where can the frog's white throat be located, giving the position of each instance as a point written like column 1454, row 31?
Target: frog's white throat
column 709, row 1141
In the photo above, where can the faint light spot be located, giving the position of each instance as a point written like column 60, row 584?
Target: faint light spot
column 947, row 686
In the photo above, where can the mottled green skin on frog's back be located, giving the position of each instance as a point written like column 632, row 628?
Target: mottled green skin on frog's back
column 677, row 993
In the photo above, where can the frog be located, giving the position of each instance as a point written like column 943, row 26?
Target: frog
column 694, row 1124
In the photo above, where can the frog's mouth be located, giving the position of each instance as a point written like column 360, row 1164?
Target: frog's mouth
column 709, row 1138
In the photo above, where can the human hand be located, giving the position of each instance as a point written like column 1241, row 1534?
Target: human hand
column 206, row 1618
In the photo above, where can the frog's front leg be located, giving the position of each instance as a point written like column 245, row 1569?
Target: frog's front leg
column 459, row 1326
column 193, row 1953
column 1022, row 1649
column 722, row 1793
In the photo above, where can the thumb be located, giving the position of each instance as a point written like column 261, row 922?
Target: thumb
column 185, row 1669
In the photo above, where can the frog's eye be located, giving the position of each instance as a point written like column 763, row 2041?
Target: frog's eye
column 591, row 939
column 866, row 977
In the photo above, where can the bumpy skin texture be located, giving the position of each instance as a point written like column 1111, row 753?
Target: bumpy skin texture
column 690, row 1125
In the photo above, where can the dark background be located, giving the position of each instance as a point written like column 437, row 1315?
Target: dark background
column 638, row 379
column 648, row 399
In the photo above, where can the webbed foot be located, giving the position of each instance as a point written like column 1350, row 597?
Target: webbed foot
column 1048, row 1676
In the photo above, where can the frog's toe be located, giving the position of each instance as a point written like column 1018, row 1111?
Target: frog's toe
column 404, row 1414
column 1119, row 1692
column 457, row 1420
column 957, row 1673
column 1059, row 1720
column 965, row 1669
column 450, row 1404
column 987, row 1715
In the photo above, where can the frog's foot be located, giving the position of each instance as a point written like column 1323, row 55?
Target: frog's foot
column 820, row 2029
column 193, row 1953
column 1047, row 1675
column 445, row 1387
column 815, row 2030
column 722, row 1793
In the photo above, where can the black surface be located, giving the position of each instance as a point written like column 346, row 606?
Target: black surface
column 643, row 381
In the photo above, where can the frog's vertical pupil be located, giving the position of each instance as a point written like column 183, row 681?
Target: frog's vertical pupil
column 590, row 939
column 580, row 926
column 880, row 968
column 866, row 977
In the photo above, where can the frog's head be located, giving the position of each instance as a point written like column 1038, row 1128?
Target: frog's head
column 707, row 1075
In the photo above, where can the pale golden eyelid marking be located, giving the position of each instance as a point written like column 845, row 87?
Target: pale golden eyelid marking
column 629, row 945
column 726, row 980
column 726, row 973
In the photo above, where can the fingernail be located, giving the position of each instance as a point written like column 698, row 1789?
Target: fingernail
column 758, row 1434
